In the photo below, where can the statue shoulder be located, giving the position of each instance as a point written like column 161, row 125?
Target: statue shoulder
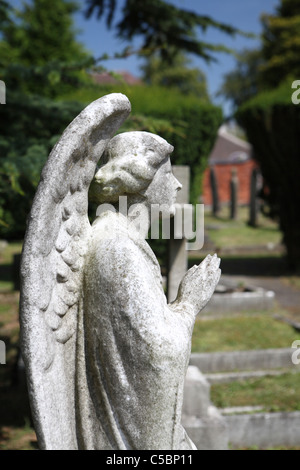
column 112, row 250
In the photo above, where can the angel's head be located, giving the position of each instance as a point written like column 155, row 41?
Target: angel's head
column 136, row 164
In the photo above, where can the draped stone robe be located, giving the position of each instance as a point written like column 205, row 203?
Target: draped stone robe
column 133, row 349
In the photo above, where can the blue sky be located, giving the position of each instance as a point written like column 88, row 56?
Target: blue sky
column 243, row 14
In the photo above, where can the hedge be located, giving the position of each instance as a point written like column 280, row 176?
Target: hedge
column 272, row 123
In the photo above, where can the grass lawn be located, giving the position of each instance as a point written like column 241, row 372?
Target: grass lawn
column 244, row 332
column 6, row 265
column 273, row 393
column 226, row 233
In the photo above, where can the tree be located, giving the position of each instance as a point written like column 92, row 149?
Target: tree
column 39, row 59
column 178, row 75
column 38, row 50
column 163, row 27
column 42, row 34
column 4, row 12
column 272, row 121
column 276, row 61
column 281, row 44
column 243, row 82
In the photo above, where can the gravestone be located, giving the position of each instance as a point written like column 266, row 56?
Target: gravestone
column 214, row 191
column 234, row 186
column 255, row 186
column 3, row 246
column 202, row 420
column 177, row 253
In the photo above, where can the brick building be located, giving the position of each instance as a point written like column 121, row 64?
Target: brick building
column 229, row 154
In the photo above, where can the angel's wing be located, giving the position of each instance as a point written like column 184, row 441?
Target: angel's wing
column 51, row 269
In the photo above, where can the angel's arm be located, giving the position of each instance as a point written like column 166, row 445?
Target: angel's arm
column 198, row 285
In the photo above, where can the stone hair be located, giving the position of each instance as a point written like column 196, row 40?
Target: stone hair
column 129, row 164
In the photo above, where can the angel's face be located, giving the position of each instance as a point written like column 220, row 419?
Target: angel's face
column 164, row 188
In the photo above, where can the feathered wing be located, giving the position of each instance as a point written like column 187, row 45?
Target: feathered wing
column 52, row 268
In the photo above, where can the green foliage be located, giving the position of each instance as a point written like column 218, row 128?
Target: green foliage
column 177, row 75
column 4, row 13
column 281, row 44
column 38, row 34
column 272, row 123
column 270, row 119
column 39, row 59
column 275, row 62
column 243, row 82
column 31, row 126
column 38, row 50
column 44, row 34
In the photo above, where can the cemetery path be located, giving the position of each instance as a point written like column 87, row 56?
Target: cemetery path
column 268, row 272
column 287, row 295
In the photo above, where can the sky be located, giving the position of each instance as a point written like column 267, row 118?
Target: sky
column 242, row 14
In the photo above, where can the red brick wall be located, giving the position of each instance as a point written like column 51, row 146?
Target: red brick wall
column 223, row 176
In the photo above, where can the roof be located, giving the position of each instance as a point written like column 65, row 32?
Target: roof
column 107, row 78
column 229, row 149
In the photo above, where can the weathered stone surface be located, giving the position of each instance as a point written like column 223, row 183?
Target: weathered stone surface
column 106, row 356
column 264, row 429
column 255, row 359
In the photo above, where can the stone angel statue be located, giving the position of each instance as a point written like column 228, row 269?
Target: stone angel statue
column 105, row 355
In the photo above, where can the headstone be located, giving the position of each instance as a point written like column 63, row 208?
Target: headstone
column 214, row 191
column 201, row 419
column 234, row 185
column 255, row 185
column 3, row 246
column 177, row 253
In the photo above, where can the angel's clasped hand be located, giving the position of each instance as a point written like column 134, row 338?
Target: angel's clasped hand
column 199, row 283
